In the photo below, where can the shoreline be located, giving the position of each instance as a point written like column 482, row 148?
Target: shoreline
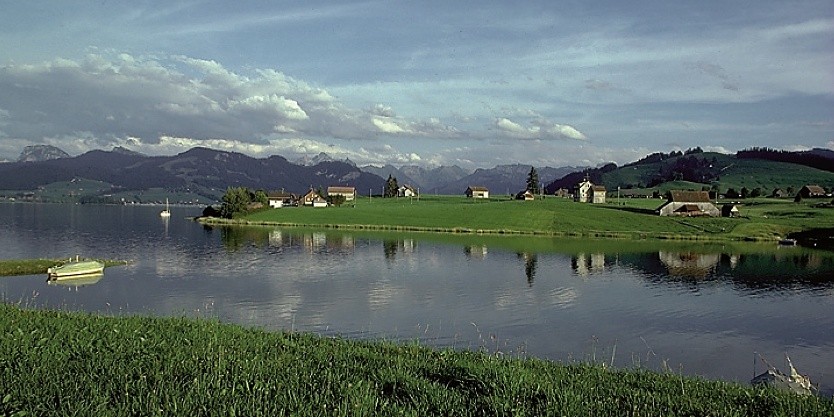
column 624, row 235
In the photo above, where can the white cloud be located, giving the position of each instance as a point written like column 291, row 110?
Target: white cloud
column 274, row 104
column 387, row 125
column 539, row 129
column 718, row 149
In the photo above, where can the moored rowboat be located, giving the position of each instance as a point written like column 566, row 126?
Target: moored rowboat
column 74, row 269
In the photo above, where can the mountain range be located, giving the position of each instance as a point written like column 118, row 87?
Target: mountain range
column 202, row 171
column 207, row 172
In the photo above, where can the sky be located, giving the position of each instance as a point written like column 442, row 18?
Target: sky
column 467, row 83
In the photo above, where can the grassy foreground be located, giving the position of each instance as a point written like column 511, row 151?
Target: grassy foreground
column 9, row 267
column 60, row 363
column 761, row 219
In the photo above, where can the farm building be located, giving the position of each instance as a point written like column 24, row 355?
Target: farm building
column 280, row 199
column 562, row 192
column 812, row 191
column 348, row 192
column 688, row 203
column 525, row 195
column 587, row 192
column 477, row 192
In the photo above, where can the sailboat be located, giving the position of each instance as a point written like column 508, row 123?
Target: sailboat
column 166, row 212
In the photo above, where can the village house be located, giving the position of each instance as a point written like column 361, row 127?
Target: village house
column 562, row 192
column 587, row 192
column 406, row 191
column 688, row 203
column 280, row 199
column 312, row 199
column 812, row 191
column 477, row 192
column 348, row 192
column 525, row 195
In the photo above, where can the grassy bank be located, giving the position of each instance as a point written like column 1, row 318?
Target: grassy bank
column 762, row 219
column 9, row 267
column 58, row 363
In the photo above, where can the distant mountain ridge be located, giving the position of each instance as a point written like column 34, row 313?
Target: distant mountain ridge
column 209, row 172
column 321, row 157
column 203, row 171
column 452, row 180
column 427, row 180
column 36, row 153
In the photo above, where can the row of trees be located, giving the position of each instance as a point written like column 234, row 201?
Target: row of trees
column 239, row 200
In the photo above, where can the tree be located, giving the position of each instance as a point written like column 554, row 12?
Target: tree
column 210, row 211
column 745, row 192
column 391, row 187
column 235, row 202
column 336, row 199
column 261, row 197
column 533, row 181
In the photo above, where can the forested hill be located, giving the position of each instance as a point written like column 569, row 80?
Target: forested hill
column 754, row 168
column 816, row 158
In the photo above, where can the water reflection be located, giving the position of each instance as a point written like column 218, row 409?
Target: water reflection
column 585, row 264
column 531, row 259
column 475, row 251
column 749, row 272
column 689, row 264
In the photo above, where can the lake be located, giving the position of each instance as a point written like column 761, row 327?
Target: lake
column 698, row 309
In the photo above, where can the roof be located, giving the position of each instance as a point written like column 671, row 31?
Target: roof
column 689, row 196
column 343, row 190
column 688, row 208
column 814, row 189
column 599, row 188
column 477, row 188
column 279, row 194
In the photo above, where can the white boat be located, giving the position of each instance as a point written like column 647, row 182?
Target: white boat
column 793, row 382
column 77, row 280
column 166, row 212
column 76, row 268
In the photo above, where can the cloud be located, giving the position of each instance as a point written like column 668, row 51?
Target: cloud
column 148, row 98
column 539, row 129
column 718, row 149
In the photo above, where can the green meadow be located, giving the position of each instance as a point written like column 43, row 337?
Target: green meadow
column 761, row 219
column 60, row 364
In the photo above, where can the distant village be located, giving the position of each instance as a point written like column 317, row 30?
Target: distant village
column 685, row 203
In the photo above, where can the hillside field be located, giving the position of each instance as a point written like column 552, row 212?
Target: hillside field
column 761, row 219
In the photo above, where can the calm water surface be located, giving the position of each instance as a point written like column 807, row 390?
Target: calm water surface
column 700, row 309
